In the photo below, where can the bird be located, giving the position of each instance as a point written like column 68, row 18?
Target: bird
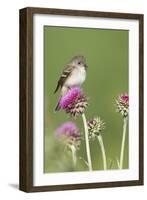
column 73, row 74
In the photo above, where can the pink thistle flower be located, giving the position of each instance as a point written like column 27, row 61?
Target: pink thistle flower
column 124, row 98
column 74, row 102
column 69, row 133
column 69, row 97
column 122, row 104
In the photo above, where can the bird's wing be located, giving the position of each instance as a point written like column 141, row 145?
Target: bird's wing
column 65, row 74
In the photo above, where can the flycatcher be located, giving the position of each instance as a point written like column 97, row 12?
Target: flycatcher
column 74, row 74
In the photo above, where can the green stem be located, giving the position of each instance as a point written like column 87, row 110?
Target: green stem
column 123, row 143
column 87, row 142
column 100, row 139
column 74, row 156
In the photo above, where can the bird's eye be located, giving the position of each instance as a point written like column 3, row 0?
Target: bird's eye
column 79, row 63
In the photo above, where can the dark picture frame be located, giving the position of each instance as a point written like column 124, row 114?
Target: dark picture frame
column 26, row 99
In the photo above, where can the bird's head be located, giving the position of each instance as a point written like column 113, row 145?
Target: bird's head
column 79, row 61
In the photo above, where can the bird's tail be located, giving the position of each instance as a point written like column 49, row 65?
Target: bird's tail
column 64, row 90
column 57, row 108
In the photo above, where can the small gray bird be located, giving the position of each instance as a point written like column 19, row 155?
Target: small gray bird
column 74, row 74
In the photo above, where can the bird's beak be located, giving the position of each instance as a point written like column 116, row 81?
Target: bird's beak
column 86, row 66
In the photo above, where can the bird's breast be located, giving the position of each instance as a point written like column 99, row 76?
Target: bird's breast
column 76, row 78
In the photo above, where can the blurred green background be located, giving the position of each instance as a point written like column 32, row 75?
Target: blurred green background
column 106, row 52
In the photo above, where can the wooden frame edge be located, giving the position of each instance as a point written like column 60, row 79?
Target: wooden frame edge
column 141, row 100
column 26, row 101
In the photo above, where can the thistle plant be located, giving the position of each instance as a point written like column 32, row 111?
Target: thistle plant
column 69, row 134
column 122, row 106
column 95, row 128
column 75, row 102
